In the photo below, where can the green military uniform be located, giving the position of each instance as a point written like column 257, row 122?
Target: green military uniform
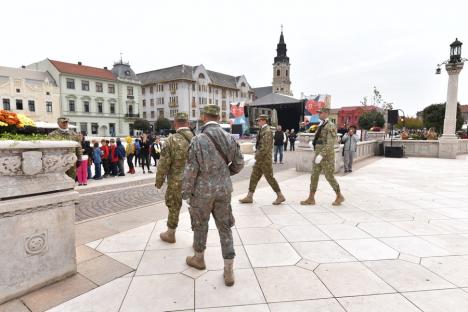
column 171, row 165
column 263, row 162
column 324, row 145
column 69, row 135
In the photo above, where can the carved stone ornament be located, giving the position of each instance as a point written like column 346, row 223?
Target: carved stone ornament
column 32, row 162
column 58, row 163
column 35, row 244
column 10, row 165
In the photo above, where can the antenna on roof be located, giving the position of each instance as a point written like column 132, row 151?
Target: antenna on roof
column 121, row 57
column 281, row 27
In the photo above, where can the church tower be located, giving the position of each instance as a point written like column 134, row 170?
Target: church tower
column 281, row 72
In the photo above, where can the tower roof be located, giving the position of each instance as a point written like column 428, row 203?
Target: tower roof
column 281, row 50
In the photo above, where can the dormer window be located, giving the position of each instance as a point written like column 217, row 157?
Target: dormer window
column 201, row 76
column 242, row 84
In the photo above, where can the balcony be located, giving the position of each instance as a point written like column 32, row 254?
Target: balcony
column 173, row 104
column 132, row 115
column 130, row 97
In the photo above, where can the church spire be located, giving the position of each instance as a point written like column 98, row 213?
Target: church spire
column 281, row 50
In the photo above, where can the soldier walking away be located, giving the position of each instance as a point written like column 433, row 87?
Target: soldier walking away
column 66, row 133
column 324, row 147
column 171, row 166
column 263, row 163
column 213, row 157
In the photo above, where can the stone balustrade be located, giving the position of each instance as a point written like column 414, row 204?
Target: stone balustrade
column 463, row 146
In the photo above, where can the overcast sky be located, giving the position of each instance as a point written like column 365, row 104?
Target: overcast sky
column 343, row 48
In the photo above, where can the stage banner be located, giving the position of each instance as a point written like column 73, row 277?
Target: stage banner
column 312, row 105
column 237, row 115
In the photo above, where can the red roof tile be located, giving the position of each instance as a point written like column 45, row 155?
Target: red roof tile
column 82, row 70
column 464, row 108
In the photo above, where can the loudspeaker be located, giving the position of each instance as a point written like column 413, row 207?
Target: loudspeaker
column 394, row 151
column 393, row 116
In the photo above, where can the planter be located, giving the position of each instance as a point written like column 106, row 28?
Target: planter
column 37, row 215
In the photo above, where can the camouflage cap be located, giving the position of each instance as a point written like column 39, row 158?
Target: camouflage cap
column 211, row 109
column 62, row 119
column 264, row 117
column 324, row 110
column 181, row 116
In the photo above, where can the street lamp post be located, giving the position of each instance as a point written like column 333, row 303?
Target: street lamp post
column 448, row 143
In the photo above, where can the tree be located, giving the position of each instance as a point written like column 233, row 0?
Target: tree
column 141, row 124
column 371, row 119
column 434, row 115
column 162, row 123
column 410, row 123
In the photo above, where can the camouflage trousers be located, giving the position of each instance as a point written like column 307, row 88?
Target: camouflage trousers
column 174, row 203
column 326, row 166
column 200, row 211
column 263, row 168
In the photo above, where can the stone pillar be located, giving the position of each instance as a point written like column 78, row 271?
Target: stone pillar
column 448, row 143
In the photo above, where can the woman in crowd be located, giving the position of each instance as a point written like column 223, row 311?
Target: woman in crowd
column 432, row 134
column 130, row 151
column 292, row 140
column 156, row 150
column 120, row 151
column 145, row 147
column 97, row 160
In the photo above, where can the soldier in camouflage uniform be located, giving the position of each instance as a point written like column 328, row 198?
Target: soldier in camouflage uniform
column 64, row 133
column 263, row 163
column 171, row 165
column 213, row 157
column 324, row 147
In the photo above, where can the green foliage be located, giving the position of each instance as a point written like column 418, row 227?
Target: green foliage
column 434, row 115
column 370, row 119
column 162, row 123
column 141, row 124
column 410, row 123
column 27, row 137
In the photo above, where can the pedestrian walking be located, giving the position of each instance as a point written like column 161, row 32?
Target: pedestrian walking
column 156, row 150
column 213, row 157
column 350, row 141
column 105, row 157
column 279, row 139
column 324, row 160
column 130, row 151
column 292, row 140
column 286, row 140
column 88, row 151
column 137, row 152
column 171, row 166
column 97, row 160
column 114, row 159
column 145, row 147
column 120, row 151
column 65, row 133
column 263, row 163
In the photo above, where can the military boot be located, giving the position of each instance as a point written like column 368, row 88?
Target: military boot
column 339, row 199
column 197, row 261
column 248, row 199
column 310, row 200
column 228, row 272
column 279, row 199
column 168, row 236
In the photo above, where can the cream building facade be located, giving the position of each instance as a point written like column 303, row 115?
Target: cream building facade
column 98, row 101
column 184, row 88
column 30, row 92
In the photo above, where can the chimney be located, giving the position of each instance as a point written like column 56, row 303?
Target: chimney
column 22, row 66
column 79, row 63
column 105, row 67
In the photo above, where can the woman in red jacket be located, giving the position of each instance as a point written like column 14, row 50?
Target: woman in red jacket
column 114, row 159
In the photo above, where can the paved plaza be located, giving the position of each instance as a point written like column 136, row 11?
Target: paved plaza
column 398, row 243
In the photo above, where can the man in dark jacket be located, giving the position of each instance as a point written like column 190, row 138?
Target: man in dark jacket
column 279, row 139
column 120, row 151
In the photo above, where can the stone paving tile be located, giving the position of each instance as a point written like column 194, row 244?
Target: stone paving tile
column 368, row 249
column 94, row 244
column 131, row 240
column 278, row 209
column 251, row 236
column 288, row 219
column 104, row 298
column 322, row 218
column 351, row 279
column 450, row 300
column 264, row 255
column 457, row 244
column 290, row 283
column 14, row 306
column 103, row 269
column 129, row 258
column 303, row 233
column 156, row 293
column 378, row 303
column 415, row 246
column 85, row 253
column 382, row 229
column 244, row 308
column 214, row 258
column 252, row 221
column 420, row 228
column 343, row 231
column 164, row 261
column 55, row 294
column 322, row 252
column 454, row 269
column 210, row 290
column 320, row 305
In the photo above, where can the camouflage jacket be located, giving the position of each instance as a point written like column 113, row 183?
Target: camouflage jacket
column 264, row 144
column 173, row 157
column 70, row 136
column 206, row 174
column 326, row 141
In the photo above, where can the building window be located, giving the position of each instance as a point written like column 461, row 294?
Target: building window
column 152, row 102
column 286, row 73
column 144, row 103
column 152, row 114
column 216, row 102
column 160, row 113
column 277, row 72
column 99, row 107
column 70, row 83
column 243, row 84
column 19, row 104
column 143, row 90
column 193, row 113
column 173, row 112
column 48, row 106
column 18, row 91
column 160, row 101
column 94, row 128
column 223, row 105
column 201, row 76
column 112, row 129
column 71, row 105
column 160, row 87
column 112, row 108
column 83, row 127
column 144, row 115
column 31, row 106
column 86, row 106
column 151, row 90
column 6, row 104
column 85, row 85
column 98, row 86
column 47, row 93
column 111, row 88
column 210, row 102
column 129, row 91
column 173, row 86
column 193, row 86
column 223, row 115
